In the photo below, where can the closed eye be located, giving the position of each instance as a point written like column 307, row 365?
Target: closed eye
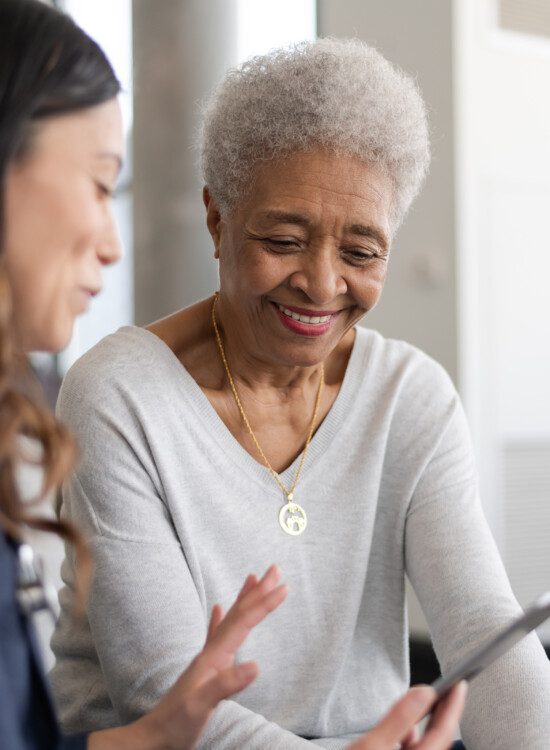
column 104, row 191
column 282, row 244
column 359, row 256
column 285, row 243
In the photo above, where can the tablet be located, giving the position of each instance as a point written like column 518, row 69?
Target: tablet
column 533, row 616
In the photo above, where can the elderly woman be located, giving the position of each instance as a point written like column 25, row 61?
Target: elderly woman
column 261, row 424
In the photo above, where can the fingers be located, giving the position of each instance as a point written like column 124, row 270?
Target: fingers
column 237, row 624
column 249, row 584
column 217, row 612
column 215, row 618
column 444, row 722
column 225, row 684
column 396, row 726
column 225, row 635
column 409, row 740
column 250, row 607
column 259, row 599
column 255, row 588
column 183, row 712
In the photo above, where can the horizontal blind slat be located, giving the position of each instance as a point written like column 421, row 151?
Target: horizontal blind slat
column 526, row 511
column 525, row 16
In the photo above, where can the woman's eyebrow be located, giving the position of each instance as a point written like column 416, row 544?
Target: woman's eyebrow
column 370, row 231
column 285, row 217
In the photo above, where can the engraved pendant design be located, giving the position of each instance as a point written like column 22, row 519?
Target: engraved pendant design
column 292, row 518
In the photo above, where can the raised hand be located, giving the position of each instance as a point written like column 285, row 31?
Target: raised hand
column 177, row 721
column 213, row 675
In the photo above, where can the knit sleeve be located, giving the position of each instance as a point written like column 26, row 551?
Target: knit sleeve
column 456, row 571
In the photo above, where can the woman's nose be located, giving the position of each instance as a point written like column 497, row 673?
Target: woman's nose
column 320, row 277
column 109, row 246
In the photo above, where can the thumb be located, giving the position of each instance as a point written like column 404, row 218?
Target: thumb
column 399, row 721
column 226, row 683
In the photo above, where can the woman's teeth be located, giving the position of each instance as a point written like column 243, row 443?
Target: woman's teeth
column 304, row 318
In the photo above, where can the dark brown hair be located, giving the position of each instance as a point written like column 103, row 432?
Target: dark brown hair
column 48, row 67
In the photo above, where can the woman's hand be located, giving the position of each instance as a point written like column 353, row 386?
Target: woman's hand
column 177, row 721
column 398, row 727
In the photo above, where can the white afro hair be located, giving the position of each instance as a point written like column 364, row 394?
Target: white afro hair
column 337, row 94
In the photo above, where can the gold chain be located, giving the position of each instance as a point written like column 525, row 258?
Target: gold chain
column 289, row 493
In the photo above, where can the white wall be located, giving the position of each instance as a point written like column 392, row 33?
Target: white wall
column 469, row 274
column 503, row 81
column 419, row 301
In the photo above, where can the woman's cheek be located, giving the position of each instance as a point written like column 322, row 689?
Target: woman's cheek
column 366, row 291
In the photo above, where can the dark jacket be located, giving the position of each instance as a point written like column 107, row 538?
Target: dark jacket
column 27, row 719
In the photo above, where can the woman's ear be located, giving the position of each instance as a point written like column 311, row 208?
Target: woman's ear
column 213, row 219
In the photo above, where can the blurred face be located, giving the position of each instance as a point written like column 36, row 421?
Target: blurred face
column 59, row 224
column 304, row 257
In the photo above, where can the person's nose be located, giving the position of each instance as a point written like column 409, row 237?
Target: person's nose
column 109, row 246
column 320, row 276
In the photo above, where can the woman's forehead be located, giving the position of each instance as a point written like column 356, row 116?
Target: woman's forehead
column 297, row 188
column 93, row 134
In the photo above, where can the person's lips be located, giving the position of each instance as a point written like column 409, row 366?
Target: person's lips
column 91, row 291
column 305, row 321
column 84, row 295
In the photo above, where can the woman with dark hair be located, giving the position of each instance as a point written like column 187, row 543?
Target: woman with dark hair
column 60, row 154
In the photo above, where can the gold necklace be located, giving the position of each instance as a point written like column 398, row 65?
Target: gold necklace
column 292, row 517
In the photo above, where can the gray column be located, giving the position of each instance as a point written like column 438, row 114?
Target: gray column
column 419, row 303
column 181, row 49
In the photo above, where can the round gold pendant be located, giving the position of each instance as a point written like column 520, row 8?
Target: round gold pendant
column 292, row 518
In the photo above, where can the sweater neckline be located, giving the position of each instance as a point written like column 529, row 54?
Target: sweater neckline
column 322, row 439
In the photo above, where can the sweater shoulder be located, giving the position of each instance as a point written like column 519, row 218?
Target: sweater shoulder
column 390, row 361
column 119, row 364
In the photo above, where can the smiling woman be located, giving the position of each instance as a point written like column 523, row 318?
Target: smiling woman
column 263, row 424
column 60, row 191
column 312, row 238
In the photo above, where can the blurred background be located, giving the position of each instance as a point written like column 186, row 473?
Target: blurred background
column 470, row 268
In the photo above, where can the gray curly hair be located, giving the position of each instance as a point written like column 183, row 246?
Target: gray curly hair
column 338, row 94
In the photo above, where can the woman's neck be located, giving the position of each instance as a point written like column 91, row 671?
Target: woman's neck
column 189, row 334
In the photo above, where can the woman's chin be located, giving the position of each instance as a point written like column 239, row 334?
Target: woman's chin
column 300, row 355
column 309, row 350
column 54, row 339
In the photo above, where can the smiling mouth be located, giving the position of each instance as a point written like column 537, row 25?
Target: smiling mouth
column 307, row 319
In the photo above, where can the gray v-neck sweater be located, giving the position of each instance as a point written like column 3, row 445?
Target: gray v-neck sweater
column 178, row 513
